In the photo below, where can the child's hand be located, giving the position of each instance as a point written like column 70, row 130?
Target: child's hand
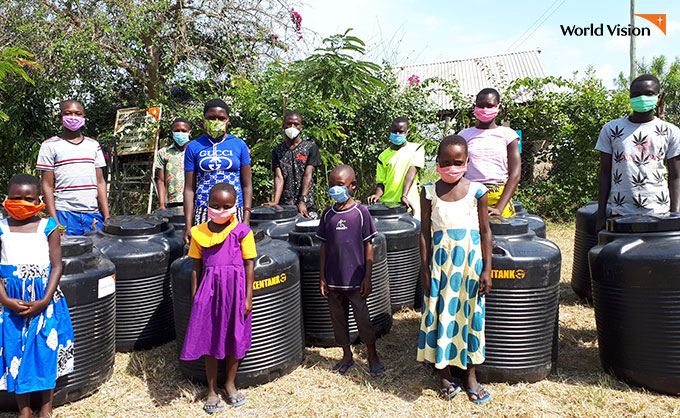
column 407, row 203
column 485, row 283
column 365, row 288
column 249, row 306
column 15, row 305
column 495, row 212
column 427, row 281
column 33, row 308
column 372, row 199
column 323, row 287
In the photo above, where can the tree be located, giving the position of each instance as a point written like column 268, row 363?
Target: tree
column 146, row 45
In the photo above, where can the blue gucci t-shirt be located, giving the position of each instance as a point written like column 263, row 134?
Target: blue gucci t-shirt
column 216, row 162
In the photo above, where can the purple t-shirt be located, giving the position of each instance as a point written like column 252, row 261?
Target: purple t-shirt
column 345, row 233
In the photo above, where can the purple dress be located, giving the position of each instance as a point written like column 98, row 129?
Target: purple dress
column 218, row 326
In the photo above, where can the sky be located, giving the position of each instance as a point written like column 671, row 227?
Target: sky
column 424, row 31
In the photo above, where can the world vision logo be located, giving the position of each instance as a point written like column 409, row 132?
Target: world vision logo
column 657, row 19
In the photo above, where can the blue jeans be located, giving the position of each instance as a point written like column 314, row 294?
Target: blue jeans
column 79, row 223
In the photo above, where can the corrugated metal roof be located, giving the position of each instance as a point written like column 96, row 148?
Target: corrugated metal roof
column 477, row 73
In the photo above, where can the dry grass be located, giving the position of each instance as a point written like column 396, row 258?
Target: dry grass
column 148, row 384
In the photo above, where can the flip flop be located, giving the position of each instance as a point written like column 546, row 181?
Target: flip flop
column 449, row 394
column 342, row 368
column 233, row 400
column 211, row 408
column 480, row 400
column 378, row 372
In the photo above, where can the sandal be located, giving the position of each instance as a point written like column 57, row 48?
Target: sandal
column 211, row 408
column 236, row 400
column 342, row 368
column 478, row 399
column 378, row 372
column 447, row 393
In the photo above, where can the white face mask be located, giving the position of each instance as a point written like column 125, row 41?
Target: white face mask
column 292, row 132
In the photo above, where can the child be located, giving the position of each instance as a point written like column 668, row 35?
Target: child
column 36, row 335
column 223, row 250
column 293, row 163
column 73, row 183
column 215, row 157
column 346, row 230
column 397, row 170
column 455, row 242
column 170, row 165
column 494, row 154
column 635, row 181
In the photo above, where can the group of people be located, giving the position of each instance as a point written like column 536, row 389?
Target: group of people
column 211, row 176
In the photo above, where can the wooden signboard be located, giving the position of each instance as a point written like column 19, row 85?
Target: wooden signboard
column 136, row 130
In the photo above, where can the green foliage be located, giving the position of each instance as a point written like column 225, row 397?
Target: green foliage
column 561, row 124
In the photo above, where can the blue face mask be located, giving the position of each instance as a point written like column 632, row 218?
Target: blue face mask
column 181, row 138
column 339, row 193
column 397, row 139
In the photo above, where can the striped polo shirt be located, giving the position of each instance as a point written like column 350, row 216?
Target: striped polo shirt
column 75, row 175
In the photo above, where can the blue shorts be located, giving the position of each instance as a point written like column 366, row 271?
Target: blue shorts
column 79, row 223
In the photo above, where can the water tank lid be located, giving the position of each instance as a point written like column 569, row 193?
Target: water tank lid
column 175, row 214
column 258, row 234
column 266, row 213
column 382, row 209
column 644, row 223
column 135, row 225
column 518, row 205
column 307, row 226
column 73, row 246
column 508, row 226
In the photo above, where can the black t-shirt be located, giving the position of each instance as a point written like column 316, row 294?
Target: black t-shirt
column 293, row 163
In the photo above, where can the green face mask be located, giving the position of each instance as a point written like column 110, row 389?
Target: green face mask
column 643, row 103
column 215, row 128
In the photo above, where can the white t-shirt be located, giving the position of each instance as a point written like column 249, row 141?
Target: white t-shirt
column 75, row 175
column 488, row 153
column 638, row 150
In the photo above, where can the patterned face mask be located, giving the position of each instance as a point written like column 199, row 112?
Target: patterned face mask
column 215, row 128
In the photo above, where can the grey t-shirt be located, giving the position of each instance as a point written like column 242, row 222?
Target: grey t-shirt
column 638, row 180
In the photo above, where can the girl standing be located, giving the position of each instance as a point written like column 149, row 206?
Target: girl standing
column 222, row 277
column 494, row 154
column 455, row 242
column 36, row 337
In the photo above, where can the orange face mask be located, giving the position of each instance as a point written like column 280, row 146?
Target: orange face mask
column 21, row 209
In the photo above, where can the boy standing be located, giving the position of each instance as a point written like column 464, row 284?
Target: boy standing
column 397, row 170
column 293, row 163
column 346, row 230
column 73, row 185
column 635, row 181
column 169, row 165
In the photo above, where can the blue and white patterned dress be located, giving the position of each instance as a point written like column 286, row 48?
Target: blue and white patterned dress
column 452, row 325
column 34, row 352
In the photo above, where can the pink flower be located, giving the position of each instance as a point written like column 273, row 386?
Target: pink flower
column 297, row 21
column 414, row 80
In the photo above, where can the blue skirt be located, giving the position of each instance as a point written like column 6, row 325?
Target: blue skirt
column 34, row 352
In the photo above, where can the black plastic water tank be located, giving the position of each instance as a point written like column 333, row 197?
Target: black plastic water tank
column 89, row 288
column 536, row 223
column 175, row 215
column 142, row 247
column 523, row 306
column 276, row 221
column 318, row 327
column 636, row 293
column 402, row 233
column 277, row 338
column 585, row 238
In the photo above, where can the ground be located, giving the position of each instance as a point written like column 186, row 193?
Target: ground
column 148, row 384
